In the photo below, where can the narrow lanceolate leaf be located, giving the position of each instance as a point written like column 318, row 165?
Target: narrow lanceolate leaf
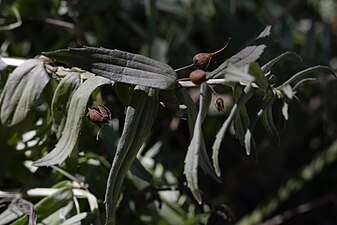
column 71, row 132
column 287, row 91
column 248, row 141
column 65, row 212
column 253, row 51
column 241, row 121
column 268, row 121
column 43, row 208
column 249, row 54
column 291, row 55
column 119, row 66
column 54, row 202
column 194, row 152
column 140, row 116
column 304, row 74
column 260, row 78
column 139, row 170
column 285, row 110
column 61, row 100
column 221, row 133
column 123, row 92
column 22, row 90
column 236, row 74
column 185, row 99
column 3, row 65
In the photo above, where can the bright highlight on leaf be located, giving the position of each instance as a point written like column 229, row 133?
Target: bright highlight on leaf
column 21, row 92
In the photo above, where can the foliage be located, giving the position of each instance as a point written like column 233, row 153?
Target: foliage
column 43, row 107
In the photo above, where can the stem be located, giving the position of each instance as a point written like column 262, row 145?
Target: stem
column 184, row 67
column 223, row 48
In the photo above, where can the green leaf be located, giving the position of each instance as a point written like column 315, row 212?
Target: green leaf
column 248, row 141
column 241, row 121
column 123, row 92
column 21, row 221
column 70, row 137
column 247, row 93
column 260, row 79
column 268, row 121
column 61, row 100
column 10, row 214
column 287, row 91
column 139, row 170
column 248, row 55
column 3, row 65
column 253, row 51
column 285, row 110
column 82, row 219
column 292, row 55
column 140, row 115
column 54, row 202
column 59, row 215
column 304, row 73
column 22, row 90
column 43, row 208
column 197, row 143
column 119, row 66
column 185, row 99
column 236, row 74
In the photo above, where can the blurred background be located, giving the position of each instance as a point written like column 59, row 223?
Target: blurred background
column 173, row 31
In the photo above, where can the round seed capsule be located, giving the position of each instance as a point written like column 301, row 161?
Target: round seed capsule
column 202, row 60
column 198, row 76
column 99, row 114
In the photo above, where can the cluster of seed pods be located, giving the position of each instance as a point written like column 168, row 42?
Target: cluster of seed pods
column 201, row 61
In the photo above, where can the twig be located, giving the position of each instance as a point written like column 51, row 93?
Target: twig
column 78, row 27
column 303, row 208
column 55, row 22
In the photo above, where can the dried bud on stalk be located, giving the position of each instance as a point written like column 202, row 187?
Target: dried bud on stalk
column 219, row 104
column 99, row 114
column 198, row 76
column 202, row 60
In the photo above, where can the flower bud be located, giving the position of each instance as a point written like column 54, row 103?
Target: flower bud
column 202, row 60
column 198, row 76
column 219, row 104
column 99, row 114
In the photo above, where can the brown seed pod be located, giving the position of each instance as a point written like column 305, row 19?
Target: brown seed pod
column 219, row 104
column 99, row 114
column 202, row 60
column 198, row 76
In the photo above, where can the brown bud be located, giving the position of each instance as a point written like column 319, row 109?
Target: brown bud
column 198, row 76
column 202, row 60
column 219, row 104
column 99, row 114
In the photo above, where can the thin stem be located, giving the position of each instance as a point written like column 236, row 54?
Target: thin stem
column 213, row 91
column 223, row 48
column 184, row 67
column 98, row 132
